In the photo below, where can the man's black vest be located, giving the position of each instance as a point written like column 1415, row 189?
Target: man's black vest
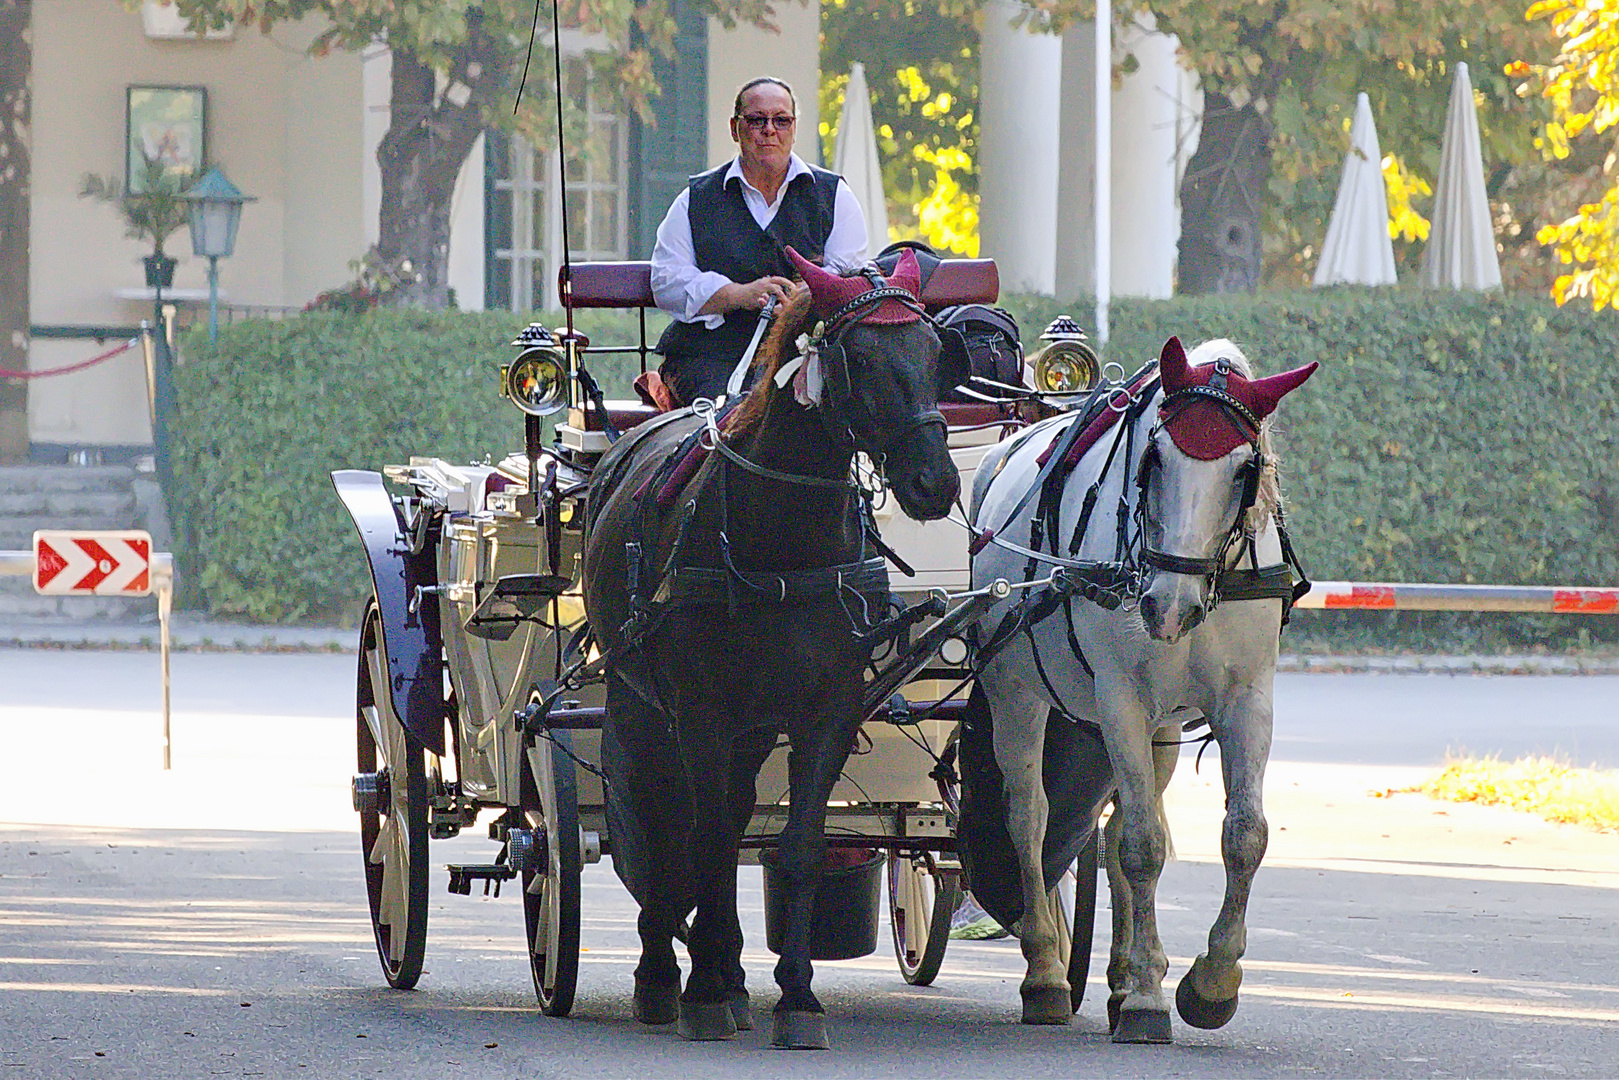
column 728, row 241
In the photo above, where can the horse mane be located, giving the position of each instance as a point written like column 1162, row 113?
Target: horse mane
column 778, row 347
column 1269, row 500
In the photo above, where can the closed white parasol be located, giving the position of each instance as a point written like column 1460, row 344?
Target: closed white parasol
column 855, row 158
column 1461, row 241
column 1358, row 250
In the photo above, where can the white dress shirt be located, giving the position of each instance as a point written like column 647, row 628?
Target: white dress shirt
column 682, row 289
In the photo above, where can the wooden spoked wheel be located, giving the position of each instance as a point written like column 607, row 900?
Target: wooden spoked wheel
column 921, row 900
column 550, row 809
column 391, row 797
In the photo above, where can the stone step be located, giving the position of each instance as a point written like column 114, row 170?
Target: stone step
column 17, row 534
column 20, row 479
column 74, row 499
column 18, row 601
column 94, row 506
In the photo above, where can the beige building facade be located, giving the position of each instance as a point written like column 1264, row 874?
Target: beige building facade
column 299, row 134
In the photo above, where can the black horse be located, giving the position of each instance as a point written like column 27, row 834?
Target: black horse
column 730, row 605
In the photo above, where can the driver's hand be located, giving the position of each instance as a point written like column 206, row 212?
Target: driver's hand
column 752, row 296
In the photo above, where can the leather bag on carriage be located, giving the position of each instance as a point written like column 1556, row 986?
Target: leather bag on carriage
column 987, row 335
column 1078, row 780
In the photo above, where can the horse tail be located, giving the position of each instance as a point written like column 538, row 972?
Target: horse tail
column 1163, row 823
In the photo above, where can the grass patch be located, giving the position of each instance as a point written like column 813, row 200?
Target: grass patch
column 1554, row 789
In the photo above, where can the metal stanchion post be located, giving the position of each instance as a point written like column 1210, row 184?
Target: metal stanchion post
column 149, row 353
column 165, row 602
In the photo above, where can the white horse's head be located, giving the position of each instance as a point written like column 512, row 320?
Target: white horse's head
column 1207, row 477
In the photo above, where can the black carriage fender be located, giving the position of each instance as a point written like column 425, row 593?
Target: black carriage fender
column 410, row 632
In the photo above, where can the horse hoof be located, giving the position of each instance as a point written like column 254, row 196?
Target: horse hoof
column 1047, row 1005
column 1199, row 1011
column 741, row 1010
column 799, row 1031
column 656, row 1004
column 1143, row 1026
column 1115, row 1002
column 706, row 1021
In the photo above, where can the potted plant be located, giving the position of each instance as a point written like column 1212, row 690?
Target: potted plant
column 151, row 214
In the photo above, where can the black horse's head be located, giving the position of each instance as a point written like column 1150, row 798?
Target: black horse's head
column 875, row 373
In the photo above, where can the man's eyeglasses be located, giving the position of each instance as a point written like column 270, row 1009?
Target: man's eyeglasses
column 780, row 123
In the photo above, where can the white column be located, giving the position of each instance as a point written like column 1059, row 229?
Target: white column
column 1146, row 182
column 1076, row 183
column 1102, row 80
column 1020, row 89
column 1153, row 118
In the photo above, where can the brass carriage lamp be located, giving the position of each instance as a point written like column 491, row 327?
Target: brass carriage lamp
column 216, row 212
column 1067, row 364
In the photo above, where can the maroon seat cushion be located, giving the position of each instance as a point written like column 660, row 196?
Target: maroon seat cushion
column 629, row 284
column 974, row 413
column 624, row 414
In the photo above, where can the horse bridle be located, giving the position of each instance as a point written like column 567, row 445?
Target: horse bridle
column 835, row 371
column 1213, row 568
column 835, row 363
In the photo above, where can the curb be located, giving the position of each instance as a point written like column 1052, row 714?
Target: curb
column 196, row 635
column 1448, row 665
column 185, row 635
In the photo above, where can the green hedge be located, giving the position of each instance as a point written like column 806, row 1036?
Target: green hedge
column 1448, row 437
column 267, row 414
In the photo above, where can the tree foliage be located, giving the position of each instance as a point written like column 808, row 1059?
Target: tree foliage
column 439, row 34
column 1582, row 87
column 921, row 63
column 457, row 69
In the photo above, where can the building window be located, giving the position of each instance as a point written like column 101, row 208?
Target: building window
column 524, row 210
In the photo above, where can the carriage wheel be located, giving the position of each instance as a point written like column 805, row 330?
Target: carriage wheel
column 390, row 794
column 550, row 808
column 921, row 900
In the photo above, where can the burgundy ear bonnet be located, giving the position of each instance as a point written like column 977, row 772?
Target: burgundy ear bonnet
column 1200, row 427
column 831, row 292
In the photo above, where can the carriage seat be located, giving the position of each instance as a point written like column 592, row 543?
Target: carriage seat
column 629, row 284
column 624, row 413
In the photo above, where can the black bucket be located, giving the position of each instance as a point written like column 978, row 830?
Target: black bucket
column 847, row 902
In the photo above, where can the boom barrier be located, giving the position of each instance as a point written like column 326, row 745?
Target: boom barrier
column 1408, row 596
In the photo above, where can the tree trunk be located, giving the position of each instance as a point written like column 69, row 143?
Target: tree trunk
column 1223, row 200
column 429, row 136
column 16, row 77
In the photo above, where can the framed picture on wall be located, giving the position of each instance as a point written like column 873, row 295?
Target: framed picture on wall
column 166, row 124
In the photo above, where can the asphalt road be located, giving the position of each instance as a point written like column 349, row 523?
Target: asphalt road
column 210, row 921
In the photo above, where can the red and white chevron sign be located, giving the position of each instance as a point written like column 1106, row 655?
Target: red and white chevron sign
column 111, row 563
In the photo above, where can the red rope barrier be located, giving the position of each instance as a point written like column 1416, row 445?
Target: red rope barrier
column 7, row 373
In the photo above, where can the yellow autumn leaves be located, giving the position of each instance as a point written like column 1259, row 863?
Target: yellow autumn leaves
column 1582, row 86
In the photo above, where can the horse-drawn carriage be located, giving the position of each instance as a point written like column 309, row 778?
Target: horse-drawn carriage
column 480, row 681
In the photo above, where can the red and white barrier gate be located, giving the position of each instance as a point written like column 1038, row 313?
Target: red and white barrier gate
column 103, row 563
column 1408, row 596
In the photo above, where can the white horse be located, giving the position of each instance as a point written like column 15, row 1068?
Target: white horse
column 1183, row 488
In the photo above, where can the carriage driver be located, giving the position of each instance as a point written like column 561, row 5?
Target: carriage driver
column 721, row 249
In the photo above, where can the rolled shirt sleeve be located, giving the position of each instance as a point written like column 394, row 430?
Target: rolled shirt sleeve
column 847, row 243
column 680, row 288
